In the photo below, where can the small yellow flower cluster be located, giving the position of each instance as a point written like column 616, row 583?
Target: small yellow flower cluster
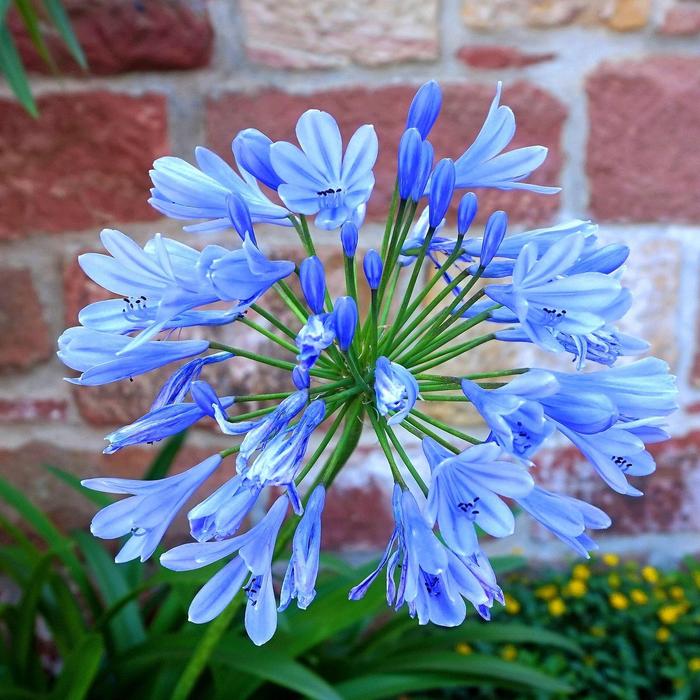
column 575, row 589
column 509, row 652
column 556, row 607
column 619, row 601
column 513, row 607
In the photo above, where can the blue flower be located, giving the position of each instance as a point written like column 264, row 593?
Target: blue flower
column 255, row 550
column 395, row 390
column 149, row 510
column 466, row 212
column 221, row 514
column 300, row 577
column 372, row 267
column 345, row 318
column 162, row 422
column 493, row 237
column 484, row 165
column 415, row 161
column 251, row 149
column 349, row 236
column 317, row 178
column 566, row 517
column 166, row 279
column 425, row 108
column 442, row 187
column 99, row 355
column 313, row 283
column 433, row 580
column 548, row 301
column 178, row 384
column 513, row 412
column 183, row 191
column 466, row 489
column 315, row 336
column 280, row 458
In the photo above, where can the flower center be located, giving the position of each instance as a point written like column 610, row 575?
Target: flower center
column 470, row 508
column 330, row 198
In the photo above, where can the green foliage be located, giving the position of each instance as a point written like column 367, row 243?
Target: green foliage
column 33, row 15
column 81, row 626
column 638, row 628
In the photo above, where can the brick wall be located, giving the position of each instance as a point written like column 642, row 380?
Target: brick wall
column 612, row 87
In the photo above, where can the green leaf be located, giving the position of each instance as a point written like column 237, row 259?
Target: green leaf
column 126, row 625
column 58, row 16
column 390, row 685
column 166, row 456
column 97, row 497
column 79, row 670
column 13, row 70
column 477, row 666
column 30, row 18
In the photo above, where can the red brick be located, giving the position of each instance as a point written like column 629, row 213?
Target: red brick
column 682, row 19
column 644, row 123
column 24, row 410
column 672, row 494
column 83, row 164
column 24, row 336
column 540, row 119
column 119, row 36
column 493, row 56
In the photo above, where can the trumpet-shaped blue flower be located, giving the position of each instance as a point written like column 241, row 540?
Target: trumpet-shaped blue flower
column 147, row 513
column 254, row 560
column 317, row 178
column 278, row 462
column 221, row 514
column 165, row 279
column 484, row 164
column 566, row 517
column 184, row 191
column 513, row 412
column 395, row 390
column 100, row 359
column 252, row 151
column 433, row 580
column 547, row 301
column 466, row 490
column 164, row 422
column 300, row 578
column 315, row 336
column 178, row 384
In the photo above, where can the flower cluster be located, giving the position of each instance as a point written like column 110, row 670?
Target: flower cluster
column 557, row 288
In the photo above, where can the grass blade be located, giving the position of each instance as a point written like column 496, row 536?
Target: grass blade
column 60, row 20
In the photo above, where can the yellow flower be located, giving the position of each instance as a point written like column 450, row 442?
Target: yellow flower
column 614, row 581
column 513, row 606
column 650, row 574
column 597, row 631
column 581, row 572
column 463, row 648
column 639, row 596
column 556, row 607
column 677, row 593
column 694, row 664
column 547, row 592
column 618, row 601
column 663, row 634
column 669, row 614
column 610, row 559
column 509, row 652
column 575, row 589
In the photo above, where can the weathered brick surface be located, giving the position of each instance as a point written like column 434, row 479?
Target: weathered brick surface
column 496, row 57
column 671, row 502
column 540, row 118
column 30, row 410
column 84, row 164
column 119, row 36
column 24, row 336
column 681, row 19
column 620, row 15
column 644, row 121
column 325, row 34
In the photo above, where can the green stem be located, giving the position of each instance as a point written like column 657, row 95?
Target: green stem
column 324, row 443
column 426, row 431
column 442, row 397
column 289, row 298
column 381, row 436
column 454, row 352
column 271, row 318
column 269, row 335
column 406, row 459
column 445, row 427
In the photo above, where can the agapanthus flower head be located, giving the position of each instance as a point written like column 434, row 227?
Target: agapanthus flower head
column 372, row 359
